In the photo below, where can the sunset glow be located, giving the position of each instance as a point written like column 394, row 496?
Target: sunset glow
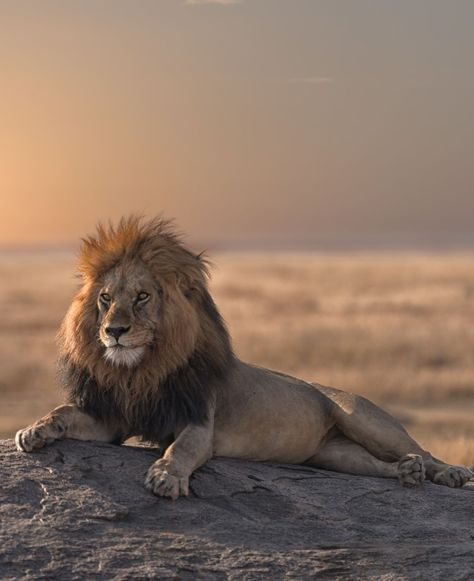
column 258, row 122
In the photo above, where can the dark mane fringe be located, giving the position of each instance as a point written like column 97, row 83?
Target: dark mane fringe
column 183, row 397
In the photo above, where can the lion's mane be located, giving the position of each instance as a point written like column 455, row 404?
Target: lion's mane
column 177, row 378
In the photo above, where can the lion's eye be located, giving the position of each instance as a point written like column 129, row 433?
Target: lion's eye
column 105, row 298
column 143, row 296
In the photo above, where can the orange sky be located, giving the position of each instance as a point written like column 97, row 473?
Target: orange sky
column 250, row 122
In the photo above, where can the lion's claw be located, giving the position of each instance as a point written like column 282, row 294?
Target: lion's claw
column 162, row 483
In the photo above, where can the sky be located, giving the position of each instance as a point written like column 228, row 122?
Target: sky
column 254, row 123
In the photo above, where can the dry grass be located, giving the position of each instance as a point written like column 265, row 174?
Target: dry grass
column 397, row 328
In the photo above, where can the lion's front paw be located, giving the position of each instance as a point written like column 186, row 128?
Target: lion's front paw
column 39, row 434
column 453, row 476
column 411, row 471
column 30, row 439
column 162, row 482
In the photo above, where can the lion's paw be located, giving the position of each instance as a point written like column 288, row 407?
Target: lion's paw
column 411, row 471
column 41, row 433
column 32, row 438
column 161, row 482
column 453, row 476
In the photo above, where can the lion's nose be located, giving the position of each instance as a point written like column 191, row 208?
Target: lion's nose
column 116, row 332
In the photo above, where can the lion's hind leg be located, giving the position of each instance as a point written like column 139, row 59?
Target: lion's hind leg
column 384, row 437
column 341, row 454
column 363, row 422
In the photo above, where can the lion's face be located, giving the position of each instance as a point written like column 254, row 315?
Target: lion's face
column 130, row 302
column 143, row 309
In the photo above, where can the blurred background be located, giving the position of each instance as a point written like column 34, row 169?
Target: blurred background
column 320, row 150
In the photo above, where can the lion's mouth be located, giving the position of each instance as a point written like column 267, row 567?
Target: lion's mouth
column 125, row 342
column 122, row 355
column 116, row 344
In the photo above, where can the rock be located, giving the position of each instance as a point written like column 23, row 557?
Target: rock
column 79, row 511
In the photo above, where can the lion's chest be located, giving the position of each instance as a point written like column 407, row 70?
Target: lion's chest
column 142, row 416
column 154, row 414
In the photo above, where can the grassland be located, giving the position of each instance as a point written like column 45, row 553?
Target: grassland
column 396, row 328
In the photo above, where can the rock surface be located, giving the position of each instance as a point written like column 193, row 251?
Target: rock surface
column 80, row 511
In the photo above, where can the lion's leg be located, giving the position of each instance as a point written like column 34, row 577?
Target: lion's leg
column 66, row 421
column 169, row 476
column 371, row 427
column 342, row 455
column 385, row 437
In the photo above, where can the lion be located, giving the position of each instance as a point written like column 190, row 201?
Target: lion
column 144, row 351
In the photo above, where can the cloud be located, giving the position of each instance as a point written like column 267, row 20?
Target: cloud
column 311, row 80
column 221, row 2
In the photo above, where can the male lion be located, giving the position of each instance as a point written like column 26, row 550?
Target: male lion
column 145, row 352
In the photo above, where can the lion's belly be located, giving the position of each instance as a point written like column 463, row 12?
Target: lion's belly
column 285, row 446
column 271, row 420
